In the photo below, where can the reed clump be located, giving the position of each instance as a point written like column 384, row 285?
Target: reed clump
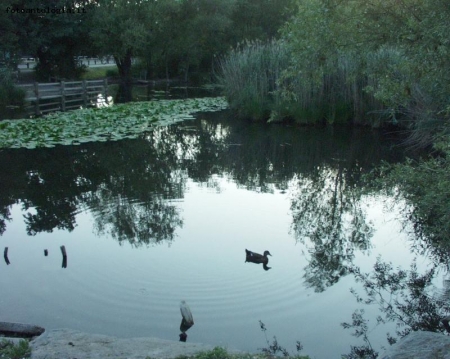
column 261, row 83
column 250, row 75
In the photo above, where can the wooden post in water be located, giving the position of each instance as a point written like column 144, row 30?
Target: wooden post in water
column 5, row 255
column 36, row 94
column 105, row 90
column 84, row 94
column 64, row 254
column 63, row 96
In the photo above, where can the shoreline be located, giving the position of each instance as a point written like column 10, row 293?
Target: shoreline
column 68, row 343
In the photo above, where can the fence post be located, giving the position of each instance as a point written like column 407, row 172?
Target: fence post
column 36, row 104
column 84, row 94
column 105, row 88
column 63, row 96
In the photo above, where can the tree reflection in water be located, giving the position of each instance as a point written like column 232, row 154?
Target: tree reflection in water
column 327, row 216
column 129, row 185
column 405, row 297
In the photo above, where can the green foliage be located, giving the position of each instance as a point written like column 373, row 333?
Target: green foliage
column 8, row 350
column 101, row 124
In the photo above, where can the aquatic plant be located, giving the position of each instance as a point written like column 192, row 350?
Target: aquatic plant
column 102, row 124
column 274, row 349
column 261, row 83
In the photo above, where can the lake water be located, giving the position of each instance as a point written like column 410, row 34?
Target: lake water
column 147, row 223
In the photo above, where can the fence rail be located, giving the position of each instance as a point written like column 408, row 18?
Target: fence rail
column 42, row 98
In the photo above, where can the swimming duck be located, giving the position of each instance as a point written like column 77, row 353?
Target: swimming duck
column 256, row 257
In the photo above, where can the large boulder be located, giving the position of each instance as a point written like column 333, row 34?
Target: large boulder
column 420, row 345
column 66, row 343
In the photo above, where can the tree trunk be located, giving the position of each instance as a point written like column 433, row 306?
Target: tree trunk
column 186, row 73
column 124, row 67
column 124, row 94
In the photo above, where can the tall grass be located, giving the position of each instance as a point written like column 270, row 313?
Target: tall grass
column 250, row 75
column 259, row 83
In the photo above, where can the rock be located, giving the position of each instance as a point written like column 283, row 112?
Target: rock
column 66, row 343
column 20, row 330
column 420, row 345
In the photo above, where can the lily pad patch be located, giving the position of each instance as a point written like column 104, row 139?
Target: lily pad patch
column 102, row 124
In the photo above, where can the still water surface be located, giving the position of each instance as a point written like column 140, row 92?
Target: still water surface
column 150, row 222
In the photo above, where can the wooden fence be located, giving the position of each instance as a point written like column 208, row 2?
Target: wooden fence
column 42, row 98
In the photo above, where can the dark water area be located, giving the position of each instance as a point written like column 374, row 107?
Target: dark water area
column 123, row 93
column 167, row 217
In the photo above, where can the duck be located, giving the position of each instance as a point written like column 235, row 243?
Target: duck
column 256, row 257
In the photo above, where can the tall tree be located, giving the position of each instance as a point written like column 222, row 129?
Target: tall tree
column 120, row 29
column 204, row 32
column 259, row 19
column 53, row 31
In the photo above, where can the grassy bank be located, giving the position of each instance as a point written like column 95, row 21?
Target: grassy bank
column 22, row 350
column 220, row 353
column 98, row 73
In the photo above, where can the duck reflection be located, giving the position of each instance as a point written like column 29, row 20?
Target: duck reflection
column 258, row 258
column 187, row 320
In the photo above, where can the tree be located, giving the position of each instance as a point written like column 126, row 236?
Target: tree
column 120, row 29
column 259, row 19
column 54, row 32
column 205, row 32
